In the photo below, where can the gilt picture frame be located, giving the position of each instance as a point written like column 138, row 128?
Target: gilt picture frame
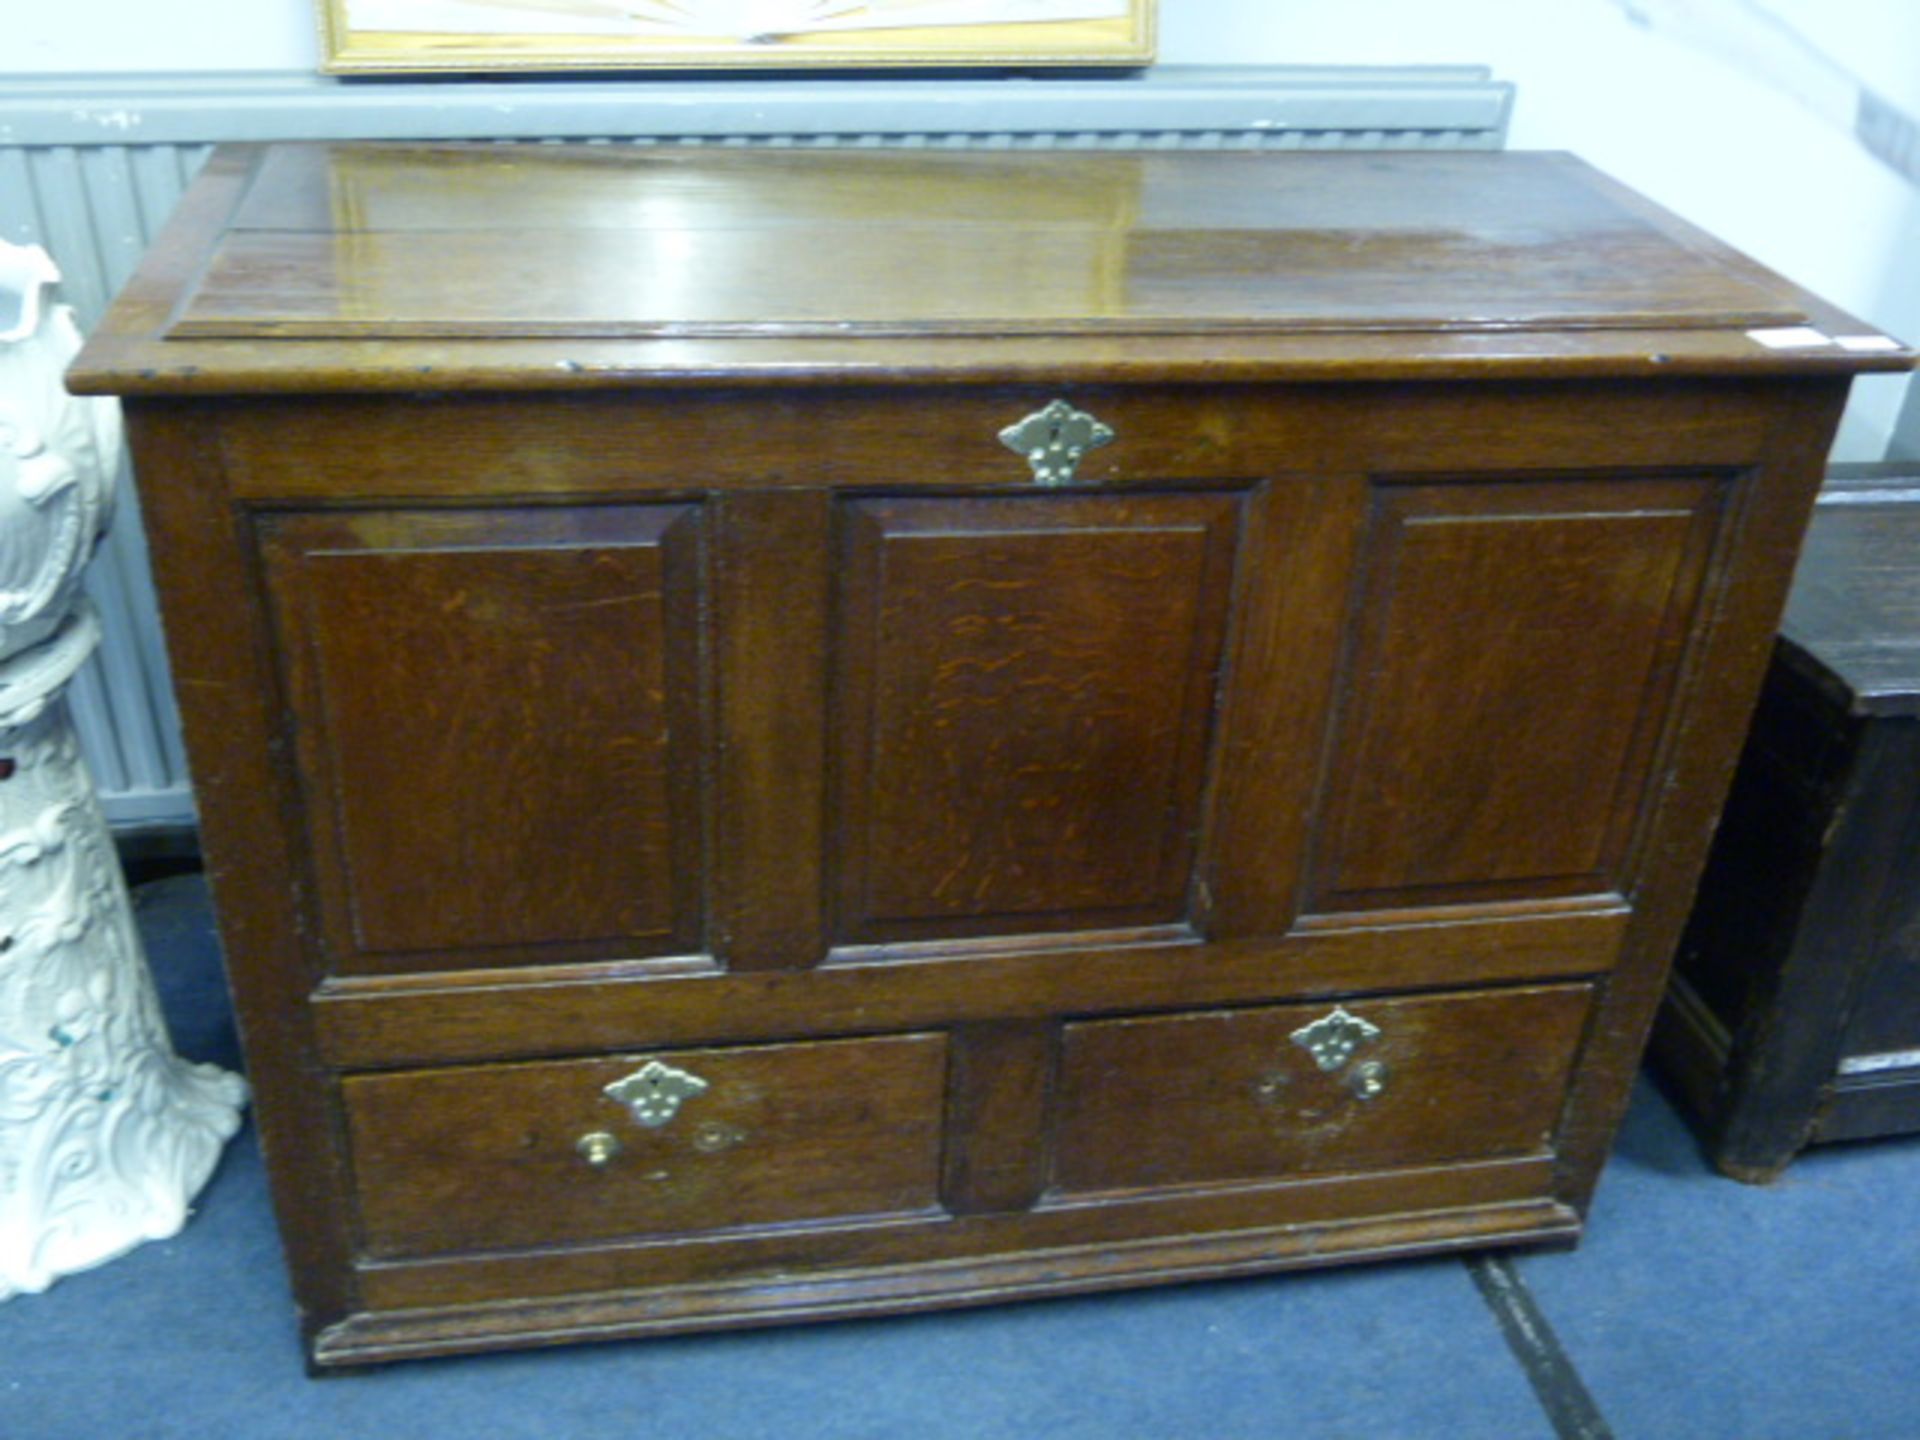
column 416, row 36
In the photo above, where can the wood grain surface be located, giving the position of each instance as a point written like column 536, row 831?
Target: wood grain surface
column 349, row 241
column 488, row 1157
column 1229, row 1095
column 501, row 717
column 1081, row 267
column 1520, row 643
column 1026, row 686
column 609, row 627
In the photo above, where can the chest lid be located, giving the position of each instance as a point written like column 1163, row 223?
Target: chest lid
column 372, row 263
column 359, row 240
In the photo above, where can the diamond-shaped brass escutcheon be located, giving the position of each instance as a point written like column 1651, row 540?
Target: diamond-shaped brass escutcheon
column 1053, row 439
column 1332, row 1039
column 653, row 1093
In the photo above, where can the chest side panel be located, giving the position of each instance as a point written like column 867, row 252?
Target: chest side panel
column 1886, row 1016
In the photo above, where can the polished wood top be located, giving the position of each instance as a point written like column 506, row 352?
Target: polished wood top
column 371, row 266
column 357, row 241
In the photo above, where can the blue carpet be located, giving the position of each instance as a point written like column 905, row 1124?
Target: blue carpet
column 1703, row 1308
column 193, row 1337
column 1696, row 1308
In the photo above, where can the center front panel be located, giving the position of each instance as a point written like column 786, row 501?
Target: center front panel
column 1023, row 699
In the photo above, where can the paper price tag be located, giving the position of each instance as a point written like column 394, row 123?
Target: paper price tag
column 1790, row 337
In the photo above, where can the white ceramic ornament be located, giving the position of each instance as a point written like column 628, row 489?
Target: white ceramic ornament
column 105, row 1134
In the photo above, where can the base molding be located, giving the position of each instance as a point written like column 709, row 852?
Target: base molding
column 1865, row 1106
column 371, row 1338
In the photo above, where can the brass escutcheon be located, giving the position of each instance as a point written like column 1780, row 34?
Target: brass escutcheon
column 653, row 1093
column 1053, row 439
column 1333, row 1038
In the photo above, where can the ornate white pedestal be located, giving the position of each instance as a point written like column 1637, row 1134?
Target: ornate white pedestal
column 105, row 1134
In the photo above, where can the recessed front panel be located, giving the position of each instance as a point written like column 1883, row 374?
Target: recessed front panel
column 1025, row 690
column 1517, row 649
column 498, row 713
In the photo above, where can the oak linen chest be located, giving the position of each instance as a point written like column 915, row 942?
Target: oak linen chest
column 1794, row 1012
column 784, row 734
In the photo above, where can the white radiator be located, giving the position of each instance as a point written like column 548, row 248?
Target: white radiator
column 90, row 167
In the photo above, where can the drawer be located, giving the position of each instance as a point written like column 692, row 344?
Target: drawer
column 1227, row 1096
column 690, row 1140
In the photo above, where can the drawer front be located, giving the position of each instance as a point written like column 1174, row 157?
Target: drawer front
column 1244, row 1095
column 687, row 1141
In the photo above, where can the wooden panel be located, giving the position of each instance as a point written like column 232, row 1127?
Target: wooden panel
column 380, row 1021
column 662, row 442
column 1886, row 1015
column 1026, row 685
column 997, row 1093
column 1229, row 1095
column 484, row 1158
column 1776, row 828
column 1798, row 928
column 1518, row 650
column 810, row 1271
column 1766, row 510
column 1632, row 263
column 220, row 644
column 771, row 553
column 1868, row 1107
column 498, row 715
column 1303, row 536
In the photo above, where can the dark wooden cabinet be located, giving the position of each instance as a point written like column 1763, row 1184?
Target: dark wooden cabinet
column 1794, row 1013
column 722, row 810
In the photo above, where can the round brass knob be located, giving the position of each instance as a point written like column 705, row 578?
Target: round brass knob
column 1367, row 1080
column 712, row 1137
column 598, row 1148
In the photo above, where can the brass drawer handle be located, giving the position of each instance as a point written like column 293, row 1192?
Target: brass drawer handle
column 598, row 1148
column 710, row 1137
column 1053, row 439
column 1368, row 1080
